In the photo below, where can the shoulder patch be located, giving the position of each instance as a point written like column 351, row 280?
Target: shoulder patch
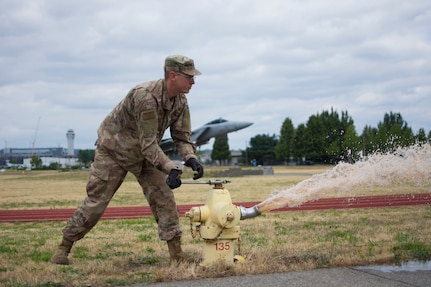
column 147, row 115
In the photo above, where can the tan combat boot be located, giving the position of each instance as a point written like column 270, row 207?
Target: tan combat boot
column 176, row 253
column 60, row 256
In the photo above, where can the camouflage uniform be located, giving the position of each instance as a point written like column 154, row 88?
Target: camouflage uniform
column 128, row 141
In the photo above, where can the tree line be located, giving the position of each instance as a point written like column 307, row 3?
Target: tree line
column 327, row 137
column 330, row 137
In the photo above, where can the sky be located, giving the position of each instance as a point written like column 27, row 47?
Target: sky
column 66, row 64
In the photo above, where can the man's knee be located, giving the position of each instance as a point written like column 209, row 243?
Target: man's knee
column 167, row 235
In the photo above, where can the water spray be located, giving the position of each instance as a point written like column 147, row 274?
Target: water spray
column 217, row 223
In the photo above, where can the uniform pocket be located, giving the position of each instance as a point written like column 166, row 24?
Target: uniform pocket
column 149, row 122
column 99, row 173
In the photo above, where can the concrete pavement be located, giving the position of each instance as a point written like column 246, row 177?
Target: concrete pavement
column 362, row 276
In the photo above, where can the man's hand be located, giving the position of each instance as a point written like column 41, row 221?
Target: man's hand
column 174, row 180
column 196, row 166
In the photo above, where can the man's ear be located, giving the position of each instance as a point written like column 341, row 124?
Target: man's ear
column 172, row 75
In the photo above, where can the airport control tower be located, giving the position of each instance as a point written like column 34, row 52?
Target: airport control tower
column 70, row 138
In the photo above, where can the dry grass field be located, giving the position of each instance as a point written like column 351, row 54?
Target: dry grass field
column 127, row 251
column 53, row 189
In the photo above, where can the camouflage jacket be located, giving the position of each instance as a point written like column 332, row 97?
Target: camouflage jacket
column 133, row 130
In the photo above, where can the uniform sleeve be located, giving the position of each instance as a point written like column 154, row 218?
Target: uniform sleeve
column 180, row 132
column 147, row 123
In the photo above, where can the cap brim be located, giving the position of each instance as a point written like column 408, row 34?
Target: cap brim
column 194, row 72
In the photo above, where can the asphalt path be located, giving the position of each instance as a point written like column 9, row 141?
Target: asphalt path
column 144, row 211
column 360, row 276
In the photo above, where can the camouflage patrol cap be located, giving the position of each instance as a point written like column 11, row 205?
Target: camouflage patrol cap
column 181, row 64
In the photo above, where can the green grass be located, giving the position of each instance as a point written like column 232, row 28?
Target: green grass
column 124, row 252
column 408, row 245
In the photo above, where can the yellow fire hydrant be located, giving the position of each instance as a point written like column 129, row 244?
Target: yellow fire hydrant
column 217, row 223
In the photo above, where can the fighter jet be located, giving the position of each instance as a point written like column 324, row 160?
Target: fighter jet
column 209, row 130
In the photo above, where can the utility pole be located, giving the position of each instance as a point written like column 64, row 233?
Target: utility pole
column 34, row 138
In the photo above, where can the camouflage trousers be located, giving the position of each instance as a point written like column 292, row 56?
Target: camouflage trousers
column 106, row 176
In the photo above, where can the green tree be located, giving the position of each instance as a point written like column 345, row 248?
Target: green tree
column 391, row 133
column 421, row 137
column 394, row 132
column 262, row 149
column 300, row 143
column 315, row 139
column 350, row 141
column 221, row 150
column 54, row 166
column 369, row 140
column 86, row 156
column 283, row 150
column 36, row 162
column 335, row 129
column 351, row 145
column 332, row 134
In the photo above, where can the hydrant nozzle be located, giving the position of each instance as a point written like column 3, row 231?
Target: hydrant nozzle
column 250, row 212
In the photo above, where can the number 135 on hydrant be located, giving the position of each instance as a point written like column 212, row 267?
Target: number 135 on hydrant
column 217, row 223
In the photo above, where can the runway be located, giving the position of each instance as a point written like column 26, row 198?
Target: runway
column 144, row 211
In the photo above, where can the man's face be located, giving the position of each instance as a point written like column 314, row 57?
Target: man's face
column 184, row 82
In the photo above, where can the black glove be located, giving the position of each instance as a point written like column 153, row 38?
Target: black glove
column 174, row 180
column 196, row 166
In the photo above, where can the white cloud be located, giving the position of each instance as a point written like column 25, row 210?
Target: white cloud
column 70, row 62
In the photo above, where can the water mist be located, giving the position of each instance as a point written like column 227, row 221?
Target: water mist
column 405, row 166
